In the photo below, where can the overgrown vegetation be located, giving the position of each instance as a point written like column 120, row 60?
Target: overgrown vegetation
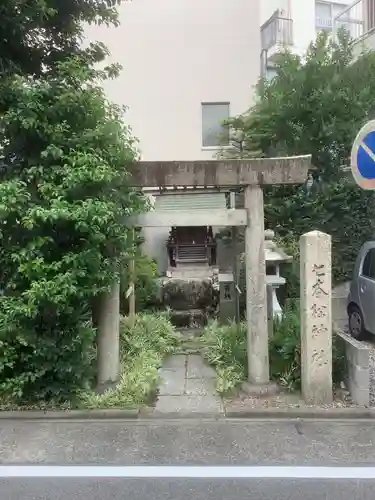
column 38, row 35
column 315, row 105
column 285, row 348
column 143, row 348
column 63, row 199
column 146, row 284
column 64, row 194
column 225, row 348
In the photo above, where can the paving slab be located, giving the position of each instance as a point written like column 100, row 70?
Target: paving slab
column 176, row 362
column 189, row 403
column 197, row 368
column 200, row 386
column 172, row 383
column 187, row 385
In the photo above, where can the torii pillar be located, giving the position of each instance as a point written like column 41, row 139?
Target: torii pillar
column 256, row 298
column 251, row 175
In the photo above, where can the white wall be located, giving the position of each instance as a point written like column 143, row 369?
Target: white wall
column 304, row 31
column 176, row 54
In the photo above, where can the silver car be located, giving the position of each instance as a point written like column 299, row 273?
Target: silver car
column 361, row 299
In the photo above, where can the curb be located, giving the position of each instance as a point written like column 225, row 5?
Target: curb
column 69, row 415
column 181, row 415
column 354, row 413
column 148, row 414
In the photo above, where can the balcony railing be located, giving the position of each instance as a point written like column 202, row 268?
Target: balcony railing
column 323, row 23
column 277, row 31
column 358, row 18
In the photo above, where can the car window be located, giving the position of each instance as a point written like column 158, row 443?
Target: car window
column 368, row 268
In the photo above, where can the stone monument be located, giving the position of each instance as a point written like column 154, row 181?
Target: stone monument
column 316, row 318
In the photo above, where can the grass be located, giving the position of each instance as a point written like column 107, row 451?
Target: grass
column 142, row 350
column 224, row 347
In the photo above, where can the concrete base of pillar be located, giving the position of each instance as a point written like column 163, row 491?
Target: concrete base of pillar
column 105, row 386
column 259, row 390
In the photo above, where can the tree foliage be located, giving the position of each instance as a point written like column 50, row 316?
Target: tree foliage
column 315, row 105
column 64, row 197
column 38, row 34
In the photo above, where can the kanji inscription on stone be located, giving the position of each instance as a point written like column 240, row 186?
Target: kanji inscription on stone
column 316, row 319
column 318, row 286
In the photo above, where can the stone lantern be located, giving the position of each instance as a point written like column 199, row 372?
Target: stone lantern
column 274, row 256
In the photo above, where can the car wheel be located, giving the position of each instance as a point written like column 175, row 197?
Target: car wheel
column 356, row 324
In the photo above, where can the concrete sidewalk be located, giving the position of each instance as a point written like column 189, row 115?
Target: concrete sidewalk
column 188, row 385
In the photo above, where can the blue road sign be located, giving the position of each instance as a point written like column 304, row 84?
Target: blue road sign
column 363, row 157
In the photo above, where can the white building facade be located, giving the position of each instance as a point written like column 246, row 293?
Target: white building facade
column 359, row 19
column 294, row 24
column 187, row 65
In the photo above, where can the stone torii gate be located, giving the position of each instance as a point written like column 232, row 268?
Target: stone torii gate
column 251, row 175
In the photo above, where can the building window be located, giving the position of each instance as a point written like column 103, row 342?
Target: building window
column 214, row 134
column 325, row 13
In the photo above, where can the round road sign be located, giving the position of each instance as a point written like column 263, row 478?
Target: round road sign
column 363, row 157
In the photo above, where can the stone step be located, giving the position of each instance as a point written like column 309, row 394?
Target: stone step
column 191, row 272
column 190, row 333
column 189, row 348
column 187, row 351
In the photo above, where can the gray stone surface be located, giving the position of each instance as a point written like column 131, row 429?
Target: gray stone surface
column 260, row 390
column 316, row 318
column 220, row 488
column 189, row 404
column 358, row 369
column 195, row 442
column 172, row 383
column 180, row 443
column 256, row 301
column 200, row 386
column 108, row 317
column 178, row 361
column 254, row 171
column 187, row 385
column 197, row 368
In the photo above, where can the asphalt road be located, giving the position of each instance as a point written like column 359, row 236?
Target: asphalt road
column 266, row 449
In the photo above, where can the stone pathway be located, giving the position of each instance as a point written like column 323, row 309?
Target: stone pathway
column 188, row 385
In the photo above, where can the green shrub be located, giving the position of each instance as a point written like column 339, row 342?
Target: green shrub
column 285, row 348
column 64, row 194
column 151, row 332
column 289, row 270
column 146, row 286
column 225, row 348
column 142, row 349
column 49, row 360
